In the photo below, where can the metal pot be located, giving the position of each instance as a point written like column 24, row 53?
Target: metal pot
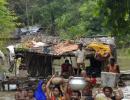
column 77, row 83
column 57, row 80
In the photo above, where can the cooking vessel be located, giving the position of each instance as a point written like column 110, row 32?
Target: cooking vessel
column 77, row 83
column 57, row 80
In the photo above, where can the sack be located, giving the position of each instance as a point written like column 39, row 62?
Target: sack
column 109, row 79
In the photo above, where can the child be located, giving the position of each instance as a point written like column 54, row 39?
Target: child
column 30, row 95
column 20, row 94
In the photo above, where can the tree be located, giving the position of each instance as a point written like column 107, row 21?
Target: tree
column 116, row 18
column 6, row 22
column 75, row 18
column 81, row 19
column 43, row 12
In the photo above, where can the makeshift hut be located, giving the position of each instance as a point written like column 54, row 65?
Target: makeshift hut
column 39, row 56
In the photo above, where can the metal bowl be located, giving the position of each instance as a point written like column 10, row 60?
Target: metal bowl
column 57, row 80
column 77, row 83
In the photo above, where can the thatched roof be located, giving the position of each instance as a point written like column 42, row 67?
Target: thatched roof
column 56, row 46
column 55, row 39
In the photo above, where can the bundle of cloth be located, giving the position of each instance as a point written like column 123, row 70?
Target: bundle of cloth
column 101, row 50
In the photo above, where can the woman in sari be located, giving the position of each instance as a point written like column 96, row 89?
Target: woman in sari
column 39, row 93
column 55, row 93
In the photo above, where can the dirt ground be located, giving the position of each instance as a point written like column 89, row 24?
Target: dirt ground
column 10, row 95
column 7, row 95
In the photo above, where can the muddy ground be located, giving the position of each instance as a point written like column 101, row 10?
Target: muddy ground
column 7, row 95
column 10, row 95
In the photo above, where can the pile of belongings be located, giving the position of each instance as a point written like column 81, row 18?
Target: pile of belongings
column 38, row 44
column 32, row 44
column 101, row 50
column 65, row 47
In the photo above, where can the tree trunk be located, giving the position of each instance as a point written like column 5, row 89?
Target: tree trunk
column 52, row 24
column 27, row 14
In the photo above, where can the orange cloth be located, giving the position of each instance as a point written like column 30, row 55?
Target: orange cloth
column 54, row 98
column 65, row 47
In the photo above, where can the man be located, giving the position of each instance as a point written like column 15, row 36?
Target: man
column 76, row 95
column 114, row 71
column 80, row 54
column 112, row 67
column 66, row 68
column 108, row 93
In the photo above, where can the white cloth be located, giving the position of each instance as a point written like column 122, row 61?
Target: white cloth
column 11, row 52
column 80, row 55
column 39, row 44
column 11, row 49
column 74, row 62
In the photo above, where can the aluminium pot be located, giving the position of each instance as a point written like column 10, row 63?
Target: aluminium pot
column 77, row 83
column 57, row 80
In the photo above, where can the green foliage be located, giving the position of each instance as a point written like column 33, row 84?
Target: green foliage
column 75, row 18
column 6, row 23
column 116, row 18
column 43, row 12
column 81, row 19
column 6, row 18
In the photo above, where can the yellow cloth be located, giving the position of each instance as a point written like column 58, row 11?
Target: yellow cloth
column 100, row 48
column 101, row 96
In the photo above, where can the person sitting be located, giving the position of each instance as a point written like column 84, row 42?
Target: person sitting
column 112, row 67
column 66, row 68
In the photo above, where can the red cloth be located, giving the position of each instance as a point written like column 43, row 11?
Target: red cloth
column 53, row 98
column 65, row 67
column 93, row 80
column 69, row 91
